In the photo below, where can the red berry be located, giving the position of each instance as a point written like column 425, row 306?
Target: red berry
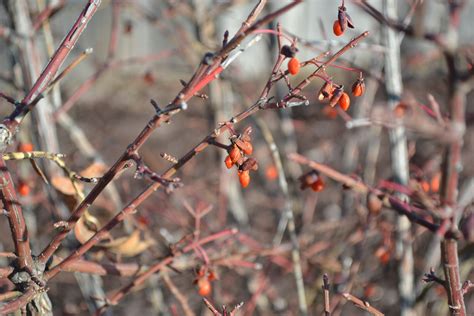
column 211, row 276
column 25, row 147
column 344, row 101
column 235, row 154
column 244, row 178
column 330, row 112
column 318, row 185
column 228, row 162
column 204, row 287
column 23, row 189
column 271, row 173
column 248, row 148
column 337, row 29
column 294, row 66
column 358, row 88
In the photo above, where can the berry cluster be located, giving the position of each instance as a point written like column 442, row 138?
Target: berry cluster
column 239, row 150
column 336, row 95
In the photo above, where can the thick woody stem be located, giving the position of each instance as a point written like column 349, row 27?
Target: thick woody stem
column 15, row 218
column 449, row 191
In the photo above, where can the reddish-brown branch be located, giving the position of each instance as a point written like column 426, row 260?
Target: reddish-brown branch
column 53, row 66
column 450, row 261
column 360, row 187
column 15, row 219
column 89, row 83
column 151, row 188
column 5, row 272
column 143, row 277
column 84, row 266
column 173, row 108
column 47, row 13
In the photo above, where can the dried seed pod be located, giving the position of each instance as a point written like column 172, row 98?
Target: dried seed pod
column 245, row 146
column 358, row 88
column 235, row 154
column 325, row 91
column 307, row 179
column 244, row 178
column 374, row 204
column 128, row 27
column 246, row 134
column 288, row 51
column 249, row 164
column 349, row 21
column 342, row 18
column 336, row 95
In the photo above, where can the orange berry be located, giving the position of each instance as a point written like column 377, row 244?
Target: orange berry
column 330, row 112
column 245, row 146
column 235, row 154
column 211, row 276
column 318, row 185
column 383, row 254
column 244, row 178
column 344, row 101
column 425, row 186
column 23, row 189
column 25, row 147
column 149, row 78
column 204, row 287
column 228, row 162
column 271, row 173
column 385, row 257
column 337, row 29
column 294, row 66
column 435, row 182
column 248, row 149
column 400, row 110
column 358, row 88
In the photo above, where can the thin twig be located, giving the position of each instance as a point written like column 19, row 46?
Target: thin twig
column 362, row 304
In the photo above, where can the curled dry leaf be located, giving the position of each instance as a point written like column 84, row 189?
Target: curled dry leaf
column 64, row 185
column 83, row 231
column 129, row 246
column 250, row 164
column 94, row 170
